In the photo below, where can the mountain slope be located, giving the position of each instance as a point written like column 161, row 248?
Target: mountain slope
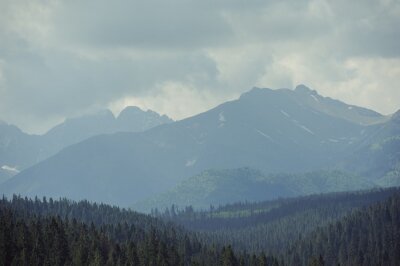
column 352, row 113
column 270, row 130
column 17, row 149
column 379, row 155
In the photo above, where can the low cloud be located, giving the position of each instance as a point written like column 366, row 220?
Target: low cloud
column 62, row 58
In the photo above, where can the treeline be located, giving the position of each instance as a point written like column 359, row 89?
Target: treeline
column 272, row 226
column 41, row 232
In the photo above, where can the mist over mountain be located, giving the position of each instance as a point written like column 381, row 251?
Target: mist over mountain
column 19, row 150
column 275, row 131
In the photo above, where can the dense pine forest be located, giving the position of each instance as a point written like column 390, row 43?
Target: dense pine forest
column 369, row 236
column 271, row 225
column 285, row 227
column 47, row 232
column 360, row 228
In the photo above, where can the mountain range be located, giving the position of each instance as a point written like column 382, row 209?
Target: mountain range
column 274, row 131
column 19, row 150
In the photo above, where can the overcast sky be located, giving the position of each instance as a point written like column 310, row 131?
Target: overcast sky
column 181, row 57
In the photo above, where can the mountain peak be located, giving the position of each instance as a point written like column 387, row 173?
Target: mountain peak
column 130, row 110
column 133, row 111
column 396, row 117
column 304, row 89
column 255, row 92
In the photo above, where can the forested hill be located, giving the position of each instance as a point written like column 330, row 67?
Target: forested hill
column 316, row 230
column 224, row 186
column 244, row 214
column 287, row 227
column 47, row 232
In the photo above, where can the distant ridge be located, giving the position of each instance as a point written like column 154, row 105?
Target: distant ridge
column 219, row 187
column 274, row 131
column 23, row 150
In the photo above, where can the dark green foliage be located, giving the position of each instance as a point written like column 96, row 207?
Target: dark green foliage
column 272, row 225
column 369, row 236
column 361, row 228
column 35, row 232
column 313, row 230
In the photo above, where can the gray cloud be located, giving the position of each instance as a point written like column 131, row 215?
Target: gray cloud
column 61, row 58
column 143, row 24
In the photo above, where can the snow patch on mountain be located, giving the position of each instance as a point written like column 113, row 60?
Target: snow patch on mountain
column 314, row 97
column 264, row 135
column 190, row 163
column 303, row 127
column 285, row 114
column 10, row 169
column 306, row 129
column 221, row 119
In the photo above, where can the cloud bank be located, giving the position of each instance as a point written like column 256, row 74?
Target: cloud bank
column 180, row 57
